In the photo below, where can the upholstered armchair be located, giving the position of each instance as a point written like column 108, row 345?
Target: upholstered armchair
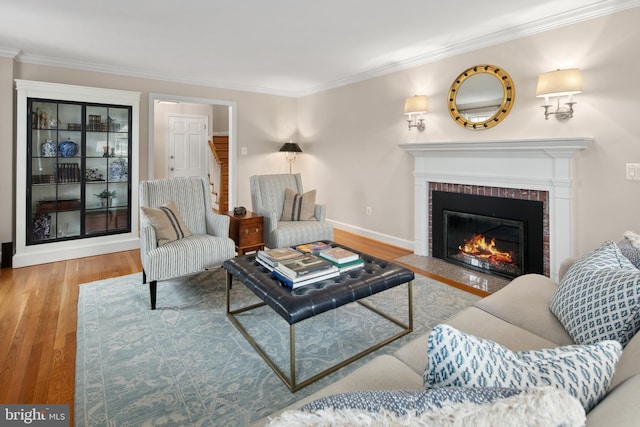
column 268, row 200
column 179, row 232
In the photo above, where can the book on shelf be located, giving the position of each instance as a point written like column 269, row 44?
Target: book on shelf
column 306, row 280
column 303, row 265
column 313, row 247
column 339, row 255
column 274, row 256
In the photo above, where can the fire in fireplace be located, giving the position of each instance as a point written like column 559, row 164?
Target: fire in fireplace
column 484, row 242
column 496, row 235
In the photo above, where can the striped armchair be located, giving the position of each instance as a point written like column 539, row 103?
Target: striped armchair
column 267, row 199
column 207, row 246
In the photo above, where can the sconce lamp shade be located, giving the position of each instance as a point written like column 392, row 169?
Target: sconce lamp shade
column 291, row 147
column 559, row 83
column 415, row 104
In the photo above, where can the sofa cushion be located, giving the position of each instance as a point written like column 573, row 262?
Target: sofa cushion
column 620, row 408
column 477, row 322
column 459, row 359
column 167, row 222
column 599, row 297
column 525, row 303
column 445, row 407
column 298, row 207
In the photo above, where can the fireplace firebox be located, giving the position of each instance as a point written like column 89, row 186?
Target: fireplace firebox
column 496, row 235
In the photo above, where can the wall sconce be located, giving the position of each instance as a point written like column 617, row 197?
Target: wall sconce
column 416, row 105
column 559, row 83
column 291, row 148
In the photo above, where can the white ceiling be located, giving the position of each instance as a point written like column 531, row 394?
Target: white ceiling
column 285, row 47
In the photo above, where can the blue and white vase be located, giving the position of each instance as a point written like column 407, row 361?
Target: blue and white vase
column 41, row 226
column 48, row 148
column 119, row 170
column 68, row 148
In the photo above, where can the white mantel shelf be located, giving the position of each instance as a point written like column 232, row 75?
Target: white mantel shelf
column 550, row 146
column 536, row 164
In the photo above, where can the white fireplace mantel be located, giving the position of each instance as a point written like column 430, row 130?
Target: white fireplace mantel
column 535, row 164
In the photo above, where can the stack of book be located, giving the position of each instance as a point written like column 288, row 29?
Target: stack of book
column 308, row 263
column 304, row 270
column 342, row 258
column 271, row 257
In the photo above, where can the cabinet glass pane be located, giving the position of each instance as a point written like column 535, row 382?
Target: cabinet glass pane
column 67, row 224
column 44, row 115
column 96, row 170
column 120, row 191
column 97, row 195
column 70, row 118
column 97, row 144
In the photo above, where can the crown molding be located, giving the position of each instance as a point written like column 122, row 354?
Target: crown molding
column 595, row 10
column 102, row 68
column 586, row 13
column 8, row 52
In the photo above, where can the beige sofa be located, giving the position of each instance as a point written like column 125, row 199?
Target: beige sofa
column 517, row 317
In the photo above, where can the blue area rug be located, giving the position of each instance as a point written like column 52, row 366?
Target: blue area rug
column 186, row 364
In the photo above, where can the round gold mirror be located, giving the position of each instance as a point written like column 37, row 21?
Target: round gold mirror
column 481, row 97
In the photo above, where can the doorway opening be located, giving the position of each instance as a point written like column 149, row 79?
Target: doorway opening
column 222, row 121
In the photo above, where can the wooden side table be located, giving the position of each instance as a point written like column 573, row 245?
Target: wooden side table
column 246, row 231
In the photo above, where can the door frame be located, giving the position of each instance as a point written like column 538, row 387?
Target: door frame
column 233, row 132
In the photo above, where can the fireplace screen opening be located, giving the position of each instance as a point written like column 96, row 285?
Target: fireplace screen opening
column 485, row 243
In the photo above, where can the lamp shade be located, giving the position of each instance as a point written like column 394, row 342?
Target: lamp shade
column 559, row 83
column 291, row 147
column 415, row 104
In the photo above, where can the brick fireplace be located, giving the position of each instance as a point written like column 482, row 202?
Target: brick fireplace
column 538, row 168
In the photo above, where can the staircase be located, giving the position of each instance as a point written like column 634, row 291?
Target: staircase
column 219, row 146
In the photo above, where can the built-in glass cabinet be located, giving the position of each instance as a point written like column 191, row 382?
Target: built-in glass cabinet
column 78, row 183
column 79, row 147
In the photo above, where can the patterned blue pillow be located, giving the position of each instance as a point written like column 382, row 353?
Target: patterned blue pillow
column 599, row 297
column 462, row 360
column 630, row 252
column 402, row 402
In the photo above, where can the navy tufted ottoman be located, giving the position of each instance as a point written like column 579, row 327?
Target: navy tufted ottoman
column 304, row 302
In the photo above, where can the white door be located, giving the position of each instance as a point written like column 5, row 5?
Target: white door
column 187, row 146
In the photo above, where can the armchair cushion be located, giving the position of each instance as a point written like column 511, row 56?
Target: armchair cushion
column 167, row 222
column 298, row 207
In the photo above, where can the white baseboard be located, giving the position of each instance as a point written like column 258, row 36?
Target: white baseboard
column 381, row 237
column 60, row 251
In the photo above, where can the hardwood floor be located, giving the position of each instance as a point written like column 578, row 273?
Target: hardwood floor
column 38, row 319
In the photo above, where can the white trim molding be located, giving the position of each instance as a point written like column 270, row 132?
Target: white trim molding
column 536, row 164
